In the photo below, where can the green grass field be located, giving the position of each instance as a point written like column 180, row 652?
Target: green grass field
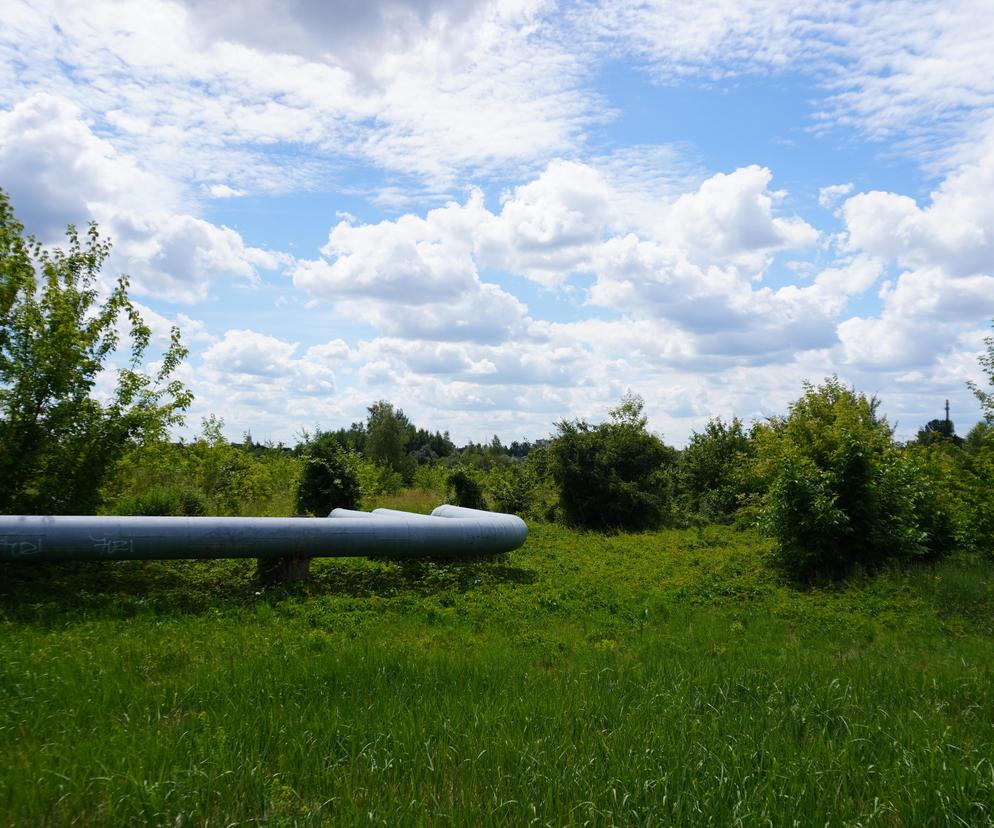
column 658, row 679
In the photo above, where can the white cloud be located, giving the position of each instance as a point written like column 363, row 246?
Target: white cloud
column 830, row 196
column 58, row 172
column 716, row 39
column 944, row 251
column 547, row 228
column 414, row 277
column 205, row 90
column 955, row 231
column 417, row 277
column 224, row 191
column 255, row 369
column 730, row 219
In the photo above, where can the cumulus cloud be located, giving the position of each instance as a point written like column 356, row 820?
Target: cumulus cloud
column 830, row 196
column 548, row 227
column 414, row 277
column 943, row 252
column 58, row 172
column 418, row 277
column 254, row 367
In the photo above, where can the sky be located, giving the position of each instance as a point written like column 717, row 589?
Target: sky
column 500, row 214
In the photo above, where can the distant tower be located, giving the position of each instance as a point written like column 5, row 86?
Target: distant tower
column 947, row 417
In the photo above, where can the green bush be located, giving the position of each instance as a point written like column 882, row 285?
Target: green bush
column 841, row 493
column 962, row 480
column 466, row 491
column 612, row 475
column 329, row 479
column 708, row 478
column 431, row 478
column 377, row 480
column 162, row 501
column 512, row 488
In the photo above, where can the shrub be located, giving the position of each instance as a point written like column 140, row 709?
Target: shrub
column 376, row 480
column 512, row 488
column 466, row 491
column 841, row 493
column 431, row 478
column 162, row 501
column 962, row 481
column 708, row 476
column 612, row 475
column 329, row 478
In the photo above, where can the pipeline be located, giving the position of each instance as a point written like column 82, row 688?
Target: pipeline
column 449, row 532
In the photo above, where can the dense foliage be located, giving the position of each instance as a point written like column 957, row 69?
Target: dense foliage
column 329, row 479
column 709, row 476
column 612, row 475
column 208, row 476
column 840, row 493
column 59, row 439
column 466, row 490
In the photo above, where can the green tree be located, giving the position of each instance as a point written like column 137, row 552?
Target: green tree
column 58, row 439
column 840, row 492
column 612, row 475
column 465, row 490
column 387, row 434
column 708, row 473
column 936, row 430
column 330, row 479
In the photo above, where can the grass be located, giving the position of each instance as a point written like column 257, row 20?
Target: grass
column 659, row 679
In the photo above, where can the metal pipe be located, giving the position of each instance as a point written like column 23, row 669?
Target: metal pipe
column 397, row 535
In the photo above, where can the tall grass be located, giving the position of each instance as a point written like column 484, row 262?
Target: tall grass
column 658, row 679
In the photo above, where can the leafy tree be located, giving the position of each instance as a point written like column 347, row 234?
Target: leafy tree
column 841, row 493
column 466, row 490
column 708, row 474
column 58, row 439
column 987, row 364
column 612, row 475
column 939, row 429
column 329, row 479
column 512, row 487
column 387, row 434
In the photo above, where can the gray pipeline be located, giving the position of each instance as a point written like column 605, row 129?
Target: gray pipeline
column 449, row 532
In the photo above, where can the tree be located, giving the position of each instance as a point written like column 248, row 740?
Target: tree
column 58, row 439
column 386, row 435
column 465, row 490
column 938, row 430
column 986, row 397
column 708, row 474
column 329, row 479
column 840, row 492
column 612, row 475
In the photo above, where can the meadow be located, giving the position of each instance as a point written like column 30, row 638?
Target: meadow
column 663, row 678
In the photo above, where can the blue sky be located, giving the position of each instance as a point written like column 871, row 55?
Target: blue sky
column 498, row 214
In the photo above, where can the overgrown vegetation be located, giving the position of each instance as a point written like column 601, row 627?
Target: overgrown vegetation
column 330, row 477
column 58, row 440
column 613, row 475
column 839, row 492
column 656, row 678
column 628, row 675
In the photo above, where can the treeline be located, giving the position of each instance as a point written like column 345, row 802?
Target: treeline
column 826, row 480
